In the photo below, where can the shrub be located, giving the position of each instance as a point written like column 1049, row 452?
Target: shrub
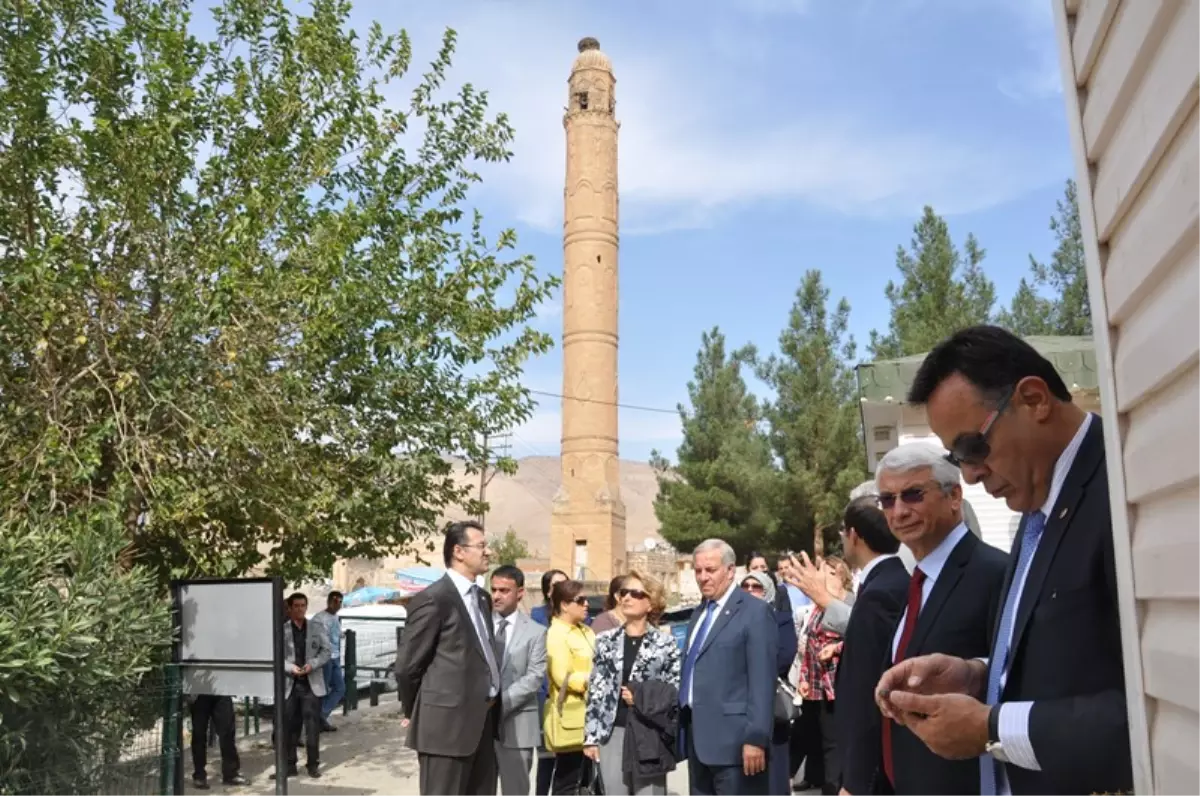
column 82, row 640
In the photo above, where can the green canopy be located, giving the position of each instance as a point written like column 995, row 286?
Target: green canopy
column 1073, row 358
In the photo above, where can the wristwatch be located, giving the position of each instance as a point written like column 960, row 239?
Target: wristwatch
column 994, row 747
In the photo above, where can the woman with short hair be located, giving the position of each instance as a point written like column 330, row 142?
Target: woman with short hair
column 634, row 654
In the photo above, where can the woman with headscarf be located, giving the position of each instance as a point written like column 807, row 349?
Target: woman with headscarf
column 761, row 585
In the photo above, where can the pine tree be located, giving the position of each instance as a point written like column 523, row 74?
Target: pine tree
column 813, row 419
column 941, row 291
column 1064, row 277
column 722, row 485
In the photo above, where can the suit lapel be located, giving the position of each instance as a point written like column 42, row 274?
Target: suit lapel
column 1087, row 461
column 947, row 579
column 460, row 605
column 875, row 570
column 723, row 617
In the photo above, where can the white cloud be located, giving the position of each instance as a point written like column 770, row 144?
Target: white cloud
column 695, row 138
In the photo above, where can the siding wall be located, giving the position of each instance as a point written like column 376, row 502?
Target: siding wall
column 1131, row 80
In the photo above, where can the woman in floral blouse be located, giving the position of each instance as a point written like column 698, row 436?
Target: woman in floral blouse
column 818, row 670
column 636, row 652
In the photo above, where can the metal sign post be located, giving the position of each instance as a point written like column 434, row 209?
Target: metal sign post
column 229, row 642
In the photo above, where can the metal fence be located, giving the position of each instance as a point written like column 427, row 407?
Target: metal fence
column 131, row 750
column 146, row 748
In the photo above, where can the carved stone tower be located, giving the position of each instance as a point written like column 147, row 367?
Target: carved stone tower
column 587, row 528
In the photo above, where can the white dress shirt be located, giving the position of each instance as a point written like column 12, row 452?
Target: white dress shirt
column 932, row 565
column 716, row 612
column 465, row 588
column 1013, row 720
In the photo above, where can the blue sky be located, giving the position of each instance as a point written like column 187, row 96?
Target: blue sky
column 759, row 139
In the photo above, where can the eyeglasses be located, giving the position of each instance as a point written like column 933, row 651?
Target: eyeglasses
column 973, row 447
column 913, row 496
column 476, row 546
column 752, row 585
column 636, row 594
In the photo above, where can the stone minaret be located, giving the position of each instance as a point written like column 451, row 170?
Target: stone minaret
column 587, row 528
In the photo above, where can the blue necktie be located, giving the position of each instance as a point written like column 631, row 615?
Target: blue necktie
column 1034, row 525
column 689, row 663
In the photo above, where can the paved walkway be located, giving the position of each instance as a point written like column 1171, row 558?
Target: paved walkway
column 366, row 755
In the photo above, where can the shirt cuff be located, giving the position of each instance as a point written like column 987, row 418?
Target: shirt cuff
column 1014, row 735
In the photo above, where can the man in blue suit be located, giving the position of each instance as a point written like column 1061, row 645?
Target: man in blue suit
column 727, row 687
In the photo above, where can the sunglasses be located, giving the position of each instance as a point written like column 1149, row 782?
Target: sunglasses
column 636, row 594
column 752, row 586
column 973, row 447
column 580, row 600
column 913, row 496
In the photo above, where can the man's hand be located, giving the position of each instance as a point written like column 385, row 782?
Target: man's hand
column 953, row 726
column 928, row 674
column 754, row 760
column 297, row 671
column 809, row 579
column 307, row 668
column 592, row 753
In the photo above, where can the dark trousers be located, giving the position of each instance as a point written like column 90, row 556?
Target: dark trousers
column 219, row 711
column 303, row 712
column 832, row 763
column 571, row 771
column 778, row 773
column 806, row 744
column 545, row 775
column 473, row 775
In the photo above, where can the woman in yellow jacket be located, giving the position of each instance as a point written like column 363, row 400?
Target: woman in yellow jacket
column 569, row 647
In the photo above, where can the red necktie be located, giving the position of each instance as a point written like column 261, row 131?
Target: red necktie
column 910, row 624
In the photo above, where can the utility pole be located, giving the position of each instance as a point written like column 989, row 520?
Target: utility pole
column 487, row 473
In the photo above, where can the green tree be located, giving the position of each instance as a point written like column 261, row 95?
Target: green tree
column 1064, row 278
column 509, row 548
column 244, row 308
column 724, row 480
column 941, row 290
column 814, row 419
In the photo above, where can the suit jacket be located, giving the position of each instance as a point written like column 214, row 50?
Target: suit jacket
column 957, row 620
column 733, row 683
column 867, row 642
column 442, row 673
column 657, row 660
column 316, row 653
column 1066, row 648
column 522, row 673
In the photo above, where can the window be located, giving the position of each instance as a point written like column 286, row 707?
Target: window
column 883, row 433
column 582, row 99
column 581, row 560
column 879, row 456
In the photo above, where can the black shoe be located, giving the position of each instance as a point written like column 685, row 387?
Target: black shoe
column 292, row 772
column 328, row 727
column 200, row 783
column 314, row 772
column 236, row 780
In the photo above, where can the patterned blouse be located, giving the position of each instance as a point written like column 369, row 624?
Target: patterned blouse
column 819, row 675
column 657, row 659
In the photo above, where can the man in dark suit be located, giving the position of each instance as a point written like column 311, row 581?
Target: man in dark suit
column 869, row 546
column 1047, row 707
column 448, row 674
column 950, row 606
column 727, row 683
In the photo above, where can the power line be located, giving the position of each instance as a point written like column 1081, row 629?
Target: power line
column 606, row 403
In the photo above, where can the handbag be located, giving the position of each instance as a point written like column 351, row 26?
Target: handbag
column 593, row 786
column 787, row 702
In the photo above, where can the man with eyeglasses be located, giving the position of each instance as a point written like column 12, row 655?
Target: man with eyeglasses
column 1044, row 710
column 949, row 608
column 449, row 673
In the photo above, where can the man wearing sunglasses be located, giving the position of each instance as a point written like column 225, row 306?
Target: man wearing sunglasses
column 948, row 608
column 1045, row 711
